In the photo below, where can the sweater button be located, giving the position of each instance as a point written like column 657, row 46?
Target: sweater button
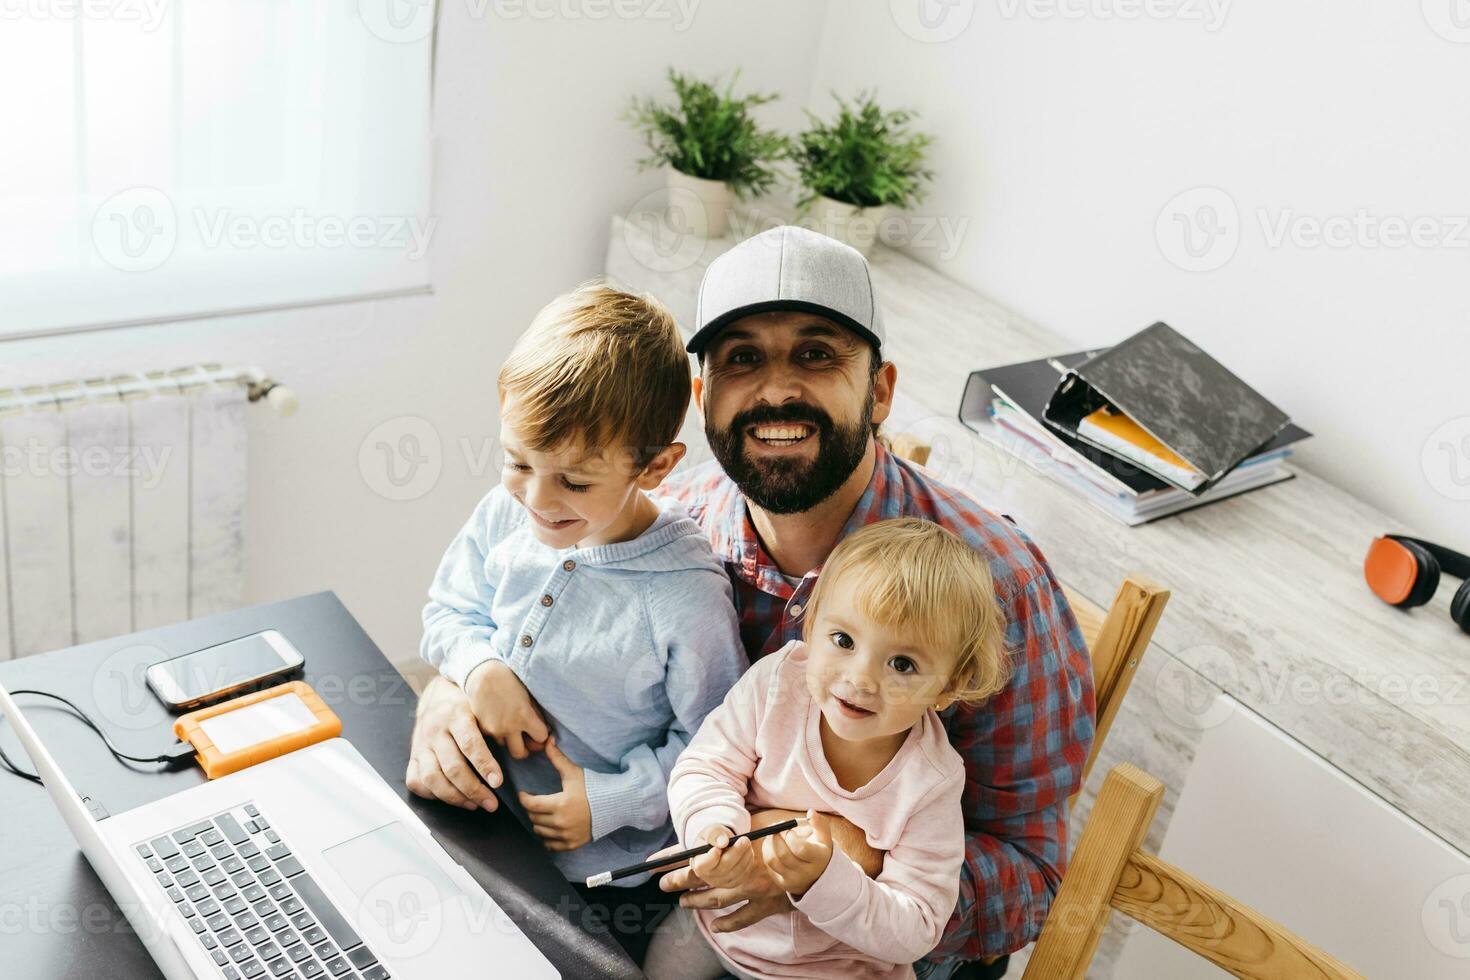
column 568, row 565
column 796, row 611
column 525, row 639
column 546, row 600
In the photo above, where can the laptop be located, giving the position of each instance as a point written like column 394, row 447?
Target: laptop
column 304, row 866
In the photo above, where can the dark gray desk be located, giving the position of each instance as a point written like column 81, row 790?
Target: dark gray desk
column 57, row 920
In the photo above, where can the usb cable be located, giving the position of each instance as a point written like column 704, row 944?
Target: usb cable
column 175, row 758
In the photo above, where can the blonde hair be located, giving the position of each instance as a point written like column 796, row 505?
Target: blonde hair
column 914, row 575
column 603, row 365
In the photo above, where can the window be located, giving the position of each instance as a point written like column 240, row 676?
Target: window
column 164, row 159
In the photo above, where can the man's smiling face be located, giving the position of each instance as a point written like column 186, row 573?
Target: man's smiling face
column 789, row 400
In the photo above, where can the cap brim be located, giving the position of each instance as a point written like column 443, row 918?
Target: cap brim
column 707, row 333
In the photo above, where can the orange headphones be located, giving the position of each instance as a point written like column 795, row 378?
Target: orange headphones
column 1404, row 572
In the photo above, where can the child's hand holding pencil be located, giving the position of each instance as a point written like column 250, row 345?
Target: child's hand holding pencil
column 668, row 861
column 729, row 861
column 796, row 858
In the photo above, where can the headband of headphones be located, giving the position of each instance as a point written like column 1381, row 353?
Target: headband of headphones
column 1449, row 560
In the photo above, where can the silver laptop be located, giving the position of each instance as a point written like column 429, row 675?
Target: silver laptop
column 304, row 866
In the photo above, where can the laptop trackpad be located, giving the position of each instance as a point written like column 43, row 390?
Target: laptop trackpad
column 391, row 876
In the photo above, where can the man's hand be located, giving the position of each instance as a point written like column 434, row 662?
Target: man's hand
column 562, row 820
column 448, row 750
column 505, row 710
column 797, row 857
column 759, row 891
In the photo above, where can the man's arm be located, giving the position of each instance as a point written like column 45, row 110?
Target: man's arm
column 1024, row 752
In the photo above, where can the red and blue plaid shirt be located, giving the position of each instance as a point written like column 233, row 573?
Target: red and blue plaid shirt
column 1024, row 749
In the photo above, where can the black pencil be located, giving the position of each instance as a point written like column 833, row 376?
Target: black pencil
column 693, row 852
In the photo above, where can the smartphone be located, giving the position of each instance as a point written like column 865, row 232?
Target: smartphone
column 217, row 672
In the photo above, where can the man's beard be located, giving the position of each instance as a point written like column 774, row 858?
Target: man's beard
column 792, row 485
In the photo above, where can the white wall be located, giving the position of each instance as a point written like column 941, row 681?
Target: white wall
column 1062, row 138
column 530, row 158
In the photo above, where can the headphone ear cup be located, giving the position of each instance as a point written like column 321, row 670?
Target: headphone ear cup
column 1460, row 606
column 1427, row 581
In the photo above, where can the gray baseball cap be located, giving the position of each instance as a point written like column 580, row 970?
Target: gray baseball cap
column 788, row 268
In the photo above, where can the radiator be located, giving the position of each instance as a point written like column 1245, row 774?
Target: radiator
column 121, row 505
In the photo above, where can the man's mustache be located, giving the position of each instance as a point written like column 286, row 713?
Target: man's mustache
column 776, row 414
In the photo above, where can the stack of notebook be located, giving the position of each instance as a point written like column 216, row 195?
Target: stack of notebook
column 1078, row 419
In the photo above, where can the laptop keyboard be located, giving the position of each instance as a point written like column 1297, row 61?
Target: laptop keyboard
column 254, row 909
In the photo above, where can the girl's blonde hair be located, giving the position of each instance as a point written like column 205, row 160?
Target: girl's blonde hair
column 916, row 576
column 603, row 365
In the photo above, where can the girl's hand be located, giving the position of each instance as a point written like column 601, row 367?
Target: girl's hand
column 562, row 820
column 796, row 858
column 725, row 865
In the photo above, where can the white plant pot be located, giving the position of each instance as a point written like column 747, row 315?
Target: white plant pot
column 698, row 206
column 847, row 223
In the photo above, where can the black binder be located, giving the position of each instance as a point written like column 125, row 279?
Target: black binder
column 1182, row 396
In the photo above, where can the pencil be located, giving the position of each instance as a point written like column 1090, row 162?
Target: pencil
column 694, row 852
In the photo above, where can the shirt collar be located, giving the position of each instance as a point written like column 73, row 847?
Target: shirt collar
column 734, row 538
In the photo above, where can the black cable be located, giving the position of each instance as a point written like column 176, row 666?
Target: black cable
column 172, row 758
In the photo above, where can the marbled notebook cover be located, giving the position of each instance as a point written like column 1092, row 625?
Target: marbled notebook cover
column 1188, row 400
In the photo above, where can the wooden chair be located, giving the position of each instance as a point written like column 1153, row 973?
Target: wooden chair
column 1116, row 636
column 1109, row 871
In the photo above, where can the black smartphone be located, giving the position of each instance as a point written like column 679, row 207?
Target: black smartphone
column 198, row 678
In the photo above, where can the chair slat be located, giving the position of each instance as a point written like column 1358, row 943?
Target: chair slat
column 1208, row 922
column 1119, row 646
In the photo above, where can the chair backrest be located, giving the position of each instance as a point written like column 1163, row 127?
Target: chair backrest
column 1116, row 636
column 1109, row 871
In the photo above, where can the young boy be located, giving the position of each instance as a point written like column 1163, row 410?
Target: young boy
column 570, row 582
column 902, row 623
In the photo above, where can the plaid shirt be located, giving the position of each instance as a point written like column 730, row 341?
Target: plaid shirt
column 1024, row 749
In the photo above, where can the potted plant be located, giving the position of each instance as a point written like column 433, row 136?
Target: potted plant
column 711, row 144
column 857, row 167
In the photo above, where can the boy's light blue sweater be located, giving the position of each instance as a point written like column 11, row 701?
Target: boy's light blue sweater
column 626, row 647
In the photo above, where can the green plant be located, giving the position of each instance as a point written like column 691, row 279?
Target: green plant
column 711, row 134
column 865, row 157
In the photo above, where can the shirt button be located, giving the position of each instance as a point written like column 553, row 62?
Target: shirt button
column 796, row 611
column 568, row 565
column 546, row 600
column 525, row 639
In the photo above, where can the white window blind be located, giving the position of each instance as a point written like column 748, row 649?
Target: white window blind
column 161, row 159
